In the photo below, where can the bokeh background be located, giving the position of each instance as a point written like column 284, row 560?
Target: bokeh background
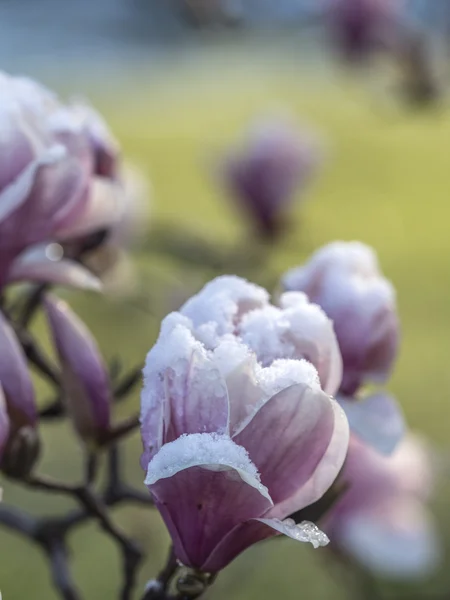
column 176, row 91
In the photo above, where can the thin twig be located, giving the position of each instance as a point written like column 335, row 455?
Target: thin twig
column 62, row 577
column 36, row 356
column 124, row 387
column 92, row 506
column 31, row 305
column 54, row 410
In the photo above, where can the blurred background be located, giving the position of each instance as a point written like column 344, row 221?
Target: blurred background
column 178, row 81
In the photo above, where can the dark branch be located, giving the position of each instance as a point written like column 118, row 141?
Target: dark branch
column 31, row 305
column 127, row 384
column 62, row 577
column 36, row 357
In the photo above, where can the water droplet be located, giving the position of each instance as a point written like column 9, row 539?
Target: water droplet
column 54, row 252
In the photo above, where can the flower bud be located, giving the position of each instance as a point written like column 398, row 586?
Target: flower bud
column 22, row 452
column 344, row 279
column 85, row 377
column 15, row 380
column 265, row 175
column 360, row 27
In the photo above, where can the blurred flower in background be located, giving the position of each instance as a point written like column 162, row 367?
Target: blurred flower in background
column 359, row 28
column 275, row 163
column 344, row 278
column 381, row 521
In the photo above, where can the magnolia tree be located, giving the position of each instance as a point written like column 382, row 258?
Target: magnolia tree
column 259, row 417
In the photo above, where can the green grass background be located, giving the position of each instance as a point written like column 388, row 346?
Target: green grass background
column 386, row 181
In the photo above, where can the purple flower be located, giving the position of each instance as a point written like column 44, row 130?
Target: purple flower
column 382, row 521
column 85, row 377
column 51, row 187
column 359, row 27
column 345, row 280
column 232, row 447
column 275, row 163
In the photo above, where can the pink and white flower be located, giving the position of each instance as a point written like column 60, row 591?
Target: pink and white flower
column 233, row 446
column 344, row 278
column 382, row 521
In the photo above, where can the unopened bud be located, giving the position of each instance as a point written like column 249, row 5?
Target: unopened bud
column 21, row 452
column 85, row 377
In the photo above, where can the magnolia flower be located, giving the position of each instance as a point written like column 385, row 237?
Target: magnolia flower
column 232, row 447
column 345, row 280
column 361, row 26
column 266, row 173
column 381, row 520
column 85, row 377
column 53, row 182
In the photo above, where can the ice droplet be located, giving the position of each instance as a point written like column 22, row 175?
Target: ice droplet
column 305, row 532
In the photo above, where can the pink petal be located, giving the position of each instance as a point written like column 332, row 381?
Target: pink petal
column 204, row 486
column 85, row 376
column 4, row 423
column 183, row 390
column 288, row 437
column 257, row 530
column 244, row 392
column 35, row 265
column 16, row 192
column 196, row 398
column 55, row 187
column 377, row 420
column 395, row 539
column 15, row 378
column 327, row 469
column 104, row 208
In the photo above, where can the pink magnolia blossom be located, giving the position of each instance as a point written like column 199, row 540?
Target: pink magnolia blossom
column 54, row 184
column 233, row 447
column 345, row 280
column 275, row 163
column 382, row 521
